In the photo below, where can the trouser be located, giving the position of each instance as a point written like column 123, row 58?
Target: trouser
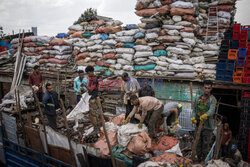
column 170, row 119
column 152, row 119
column 225, row 149
column 129, row 108
column 93, row 113
column 78, row 98
column 204, row 143
column 52, row 121
column 39, row 96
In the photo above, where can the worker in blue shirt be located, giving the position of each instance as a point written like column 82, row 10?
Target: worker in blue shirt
column 80, row 84
column 50, row 105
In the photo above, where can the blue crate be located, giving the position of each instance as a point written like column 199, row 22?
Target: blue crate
column 235, row 44
column 240, row 62
column 228, row 35
column 221, row 64
column 220, row 77
column 220, row 72
column 230, row 65
column 229, row 72
column 242, row 52
column 228, row 78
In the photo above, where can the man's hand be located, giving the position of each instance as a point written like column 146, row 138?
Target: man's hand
column 140, row 125
column 194, row 120
column 176, row 122
column 203, row 117
column 125, row 121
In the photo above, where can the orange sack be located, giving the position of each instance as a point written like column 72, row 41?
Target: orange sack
column 181, row 11
column 140, row 144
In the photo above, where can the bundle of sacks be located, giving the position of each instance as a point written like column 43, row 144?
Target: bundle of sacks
column 57, row 56
column 33, row 47
column 130, row 140
column 94, row 44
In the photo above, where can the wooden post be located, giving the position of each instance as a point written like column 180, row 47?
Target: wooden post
column 65, row 87
column 42, row 117
column 191, row 95
column 197, row 138
column 20, row 116
column 58, row 86
column 218, row 141
column 67, row 128
column 105, row 131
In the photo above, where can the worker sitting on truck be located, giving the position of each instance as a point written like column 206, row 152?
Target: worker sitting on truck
column 151, row 109
column 129, row 86
column 204, row 107
column 92, row 88
column 80, row 84
column 36, row 82
column 50, row 105
column 170, row 114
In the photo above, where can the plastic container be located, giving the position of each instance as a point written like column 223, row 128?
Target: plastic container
column 242, row 44
column 242, row 52
column 230, row 65
column 244, row 35
column 221, row 64
column 236, row 35
column 232, row 54
column 235, row 44
column 236, row 27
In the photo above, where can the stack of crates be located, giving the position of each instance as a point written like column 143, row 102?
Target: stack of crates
column 227, row 58
column 246, row 77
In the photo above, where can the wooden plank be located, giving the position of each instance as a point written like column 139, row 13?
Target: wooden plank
column 34, row 139
column 197, row 138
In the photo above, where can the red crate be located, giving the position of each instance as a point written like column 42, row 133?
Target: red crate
column 232, row 54
column 236, row 27
column 242, row 44
column 236, row 35
column 244, row 35
column 246, row 94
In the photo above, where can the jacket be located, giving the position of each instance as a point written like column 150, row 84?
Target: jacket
column 210, row 110
column 50, row 103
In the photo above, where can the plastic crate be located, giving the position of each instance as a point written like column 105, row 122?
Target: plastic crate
column 246, row 27
column 226, row 42
column 221, row 64
column 240, row 62
column 219, row 77
column 236, row 27
column 229, row 72
column 244, row 35
column 223, row 55
column 228, row 78
column 228, row 35
column 246, row 94
column 242, row 44
column 230, row 65
column 242, row 52
column 235, row 44
column 224, row 48
column 220, row 72
column 236, row 35
column 237, row 77
column 246, row 80
column 232, row 54
column 239, row 69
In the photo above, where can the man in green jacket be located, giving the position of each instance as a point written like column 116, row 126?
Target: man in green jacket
column 204, row 108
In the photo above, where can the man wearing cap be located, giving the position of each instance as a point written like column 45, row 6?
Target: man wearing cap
column 204, row 109
column 171, row 113
column 235, row 156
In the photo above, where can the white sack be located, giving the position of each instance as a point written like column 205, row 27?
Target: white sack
column 143, row 54
column 76, row 27
column 178, row 50
column 125, row 39
column 151, row 36
column 181, row 4
column 142, row 48
column 125, row 50
column 109, row 42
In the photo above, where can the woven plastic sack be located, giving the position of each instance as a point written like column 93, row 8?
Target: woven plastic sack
column 128, row 45
column 140, row 144
column 131, row 26
column 125, row 39
column 145, row 67
column 181, row 11
column 158, row 53
column 76, row 27
column 181, row 4
column 109, row 42
column 139, row 35
column 87, row 35
column 99, row 68
column 131, row 32
column 143, row 54
column 125, row 50
column 142, row 48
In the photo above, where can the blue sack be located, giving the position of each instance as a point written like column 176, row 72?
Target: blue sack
column 131, row 26
column 87, row 35
column 99, row 68
column 158, row 53
column 139, row 35
column 104, row 36
column 62, row 35
column 145, row 67
column 128, row 45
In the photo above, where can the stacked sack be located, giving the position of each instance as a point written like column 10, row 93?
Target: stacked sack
column 33, row 47
column 57, row 56
column 94, row 44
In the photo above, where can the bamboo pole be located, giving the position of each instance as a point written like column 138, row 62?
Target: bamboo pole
column 67, row 128
column 20, row 117
column 197, row 138
column 42, row 117
column 105, row 131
